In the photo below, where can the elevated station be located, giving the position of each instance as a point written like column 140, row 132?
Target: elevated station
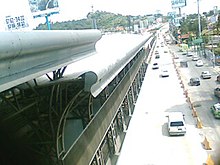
column 67, row 96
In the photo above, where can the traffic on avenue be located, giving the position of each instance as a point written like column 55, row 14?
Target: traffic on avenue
column 167, row 88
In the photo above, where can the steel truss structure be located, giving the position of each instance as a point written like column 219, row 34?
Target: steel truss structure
column 61, row 123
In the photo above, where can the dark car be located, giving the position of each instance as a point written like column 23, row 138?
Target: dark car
column 194, row 81
column 183, row 64
column 155, row 66
column 217, row 91
column 218, row 78
column 157, row 56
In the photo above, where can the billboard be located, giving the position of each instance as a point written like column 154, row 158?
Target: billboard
column 12, row 19
column 178, row 3
column 16, row 22
column 42, row 7
column 177, row 21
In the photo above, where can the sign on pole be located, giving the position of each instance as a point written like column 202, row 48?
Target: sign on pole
column 40, row 8
column 15, row 16
column 178, row 3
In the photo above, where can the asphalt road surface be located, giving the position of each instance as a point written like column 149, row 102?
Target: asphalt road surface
column 202, row 99
column 147, row 141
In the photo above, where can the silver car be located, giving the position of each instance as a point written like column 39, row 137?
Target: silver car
column 190, row 54
column 195, row 58
column 199, row 63
column 164, row 73
column 206, row 75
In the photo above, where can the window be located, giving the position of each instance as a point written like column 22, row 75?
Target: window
column 176, row 124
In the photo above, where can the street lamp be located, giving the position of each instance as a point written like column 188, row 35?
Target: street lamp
column 199, row 24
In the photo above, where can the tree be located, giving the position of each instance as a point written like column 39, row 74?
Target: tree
column 190, row 24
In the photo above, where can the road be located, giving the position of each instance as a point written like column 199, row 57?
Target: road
column 147, row 141
column 202, row 99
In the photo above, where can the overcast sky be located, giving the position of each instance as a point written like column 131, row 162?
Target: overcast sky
column 78, row 9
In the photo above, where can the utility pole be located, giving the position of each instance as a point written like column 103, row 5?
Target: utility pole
column 199, row 28
column 180, row 14
column 199, row 23
column 93, row 19
column 47, row 16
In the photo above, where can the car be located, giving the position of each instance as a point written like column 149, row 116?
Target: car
column 195, row 58
column 157, row 56
column 217, row 91
column 168, row 41
column 215, row 109
column 194, row 81
column 190, row 54
column 218, row 78
column 176, row 123
column 164, row 73
column 206, row 75
column 176, row 56
column 184, row 53
column 183, row 64
column 199, row 63
column 155, row 66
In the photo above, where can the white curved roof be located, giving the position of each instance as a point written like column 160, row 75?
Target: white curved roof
column 30, row 54
column 113, row 53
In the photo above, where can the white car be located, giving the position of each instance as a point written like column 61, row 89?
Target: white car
column 195, row 58
column 164, row 73
column 176, row 123
column 184, row 53
column 155, row 66
column 189, row 54
column 206, row 75
column 199, row 63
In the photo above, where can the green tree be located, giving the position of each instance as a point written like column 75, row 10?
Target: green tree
column 190, row 25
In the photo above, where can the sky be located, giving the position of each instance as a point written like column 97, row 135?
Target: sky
column 78, row 9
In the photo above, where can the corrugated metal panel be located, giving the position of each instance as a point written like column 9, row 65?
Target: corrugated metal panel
column 84, row 147
column 113, row 53
column 27, row 55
